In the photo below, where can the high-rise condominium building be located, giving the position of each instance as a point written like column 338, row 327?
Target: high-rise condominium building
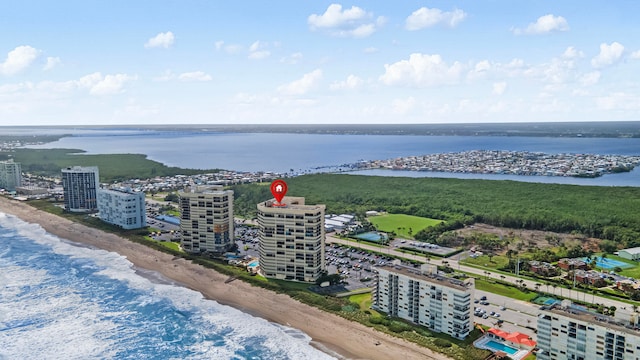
column 122, row 207
column 206, row 219
column 10, row 175
column 570, row 332
column 291, row 239
column 424, row 297
column 79, row 185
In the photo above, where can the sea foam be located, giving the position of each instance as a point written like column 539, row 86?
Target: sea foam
column 63, row 301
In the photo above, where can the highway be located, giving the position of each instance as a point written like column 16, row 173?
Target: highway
column 453, row 263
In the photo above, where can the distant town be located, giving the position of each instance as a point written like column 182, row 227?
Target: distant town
column 511, row 163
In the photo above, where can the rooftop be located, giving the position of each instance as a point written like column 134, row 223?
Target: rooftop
column 426, row 272
column 578, row 313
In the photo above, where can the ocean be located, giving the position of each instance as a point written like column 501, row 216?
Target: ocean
column 59, row 300
column 308, row 153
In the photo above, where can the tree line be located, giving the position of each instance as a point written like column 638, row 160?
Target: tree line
column 611, row 213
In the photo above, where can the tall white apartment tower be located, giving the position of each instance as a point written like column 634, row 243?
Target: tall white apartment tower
column 206, row 219
column 426, row 298
column 122, row 207
column 80, row 185
column 291, row 239
column 10, row 175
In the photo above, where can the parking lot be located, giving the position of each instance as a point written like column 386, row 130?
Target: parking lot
column 508, row 314
column 356, row 266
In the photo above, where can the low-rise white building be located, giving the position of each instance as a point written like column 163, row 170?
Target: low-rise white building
column 630, row 254
column 426, row 298
column 122, row 207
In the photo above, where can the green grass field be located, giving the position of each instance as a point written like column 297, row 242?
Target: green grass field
column 405, row 226
column 364, row 300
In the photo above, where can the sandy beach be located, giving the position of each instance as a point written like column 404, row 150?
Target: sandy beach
column 331, row 333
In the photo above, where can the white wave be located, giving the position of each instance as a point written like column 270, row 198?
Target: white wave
column 47, row 322
column 240, row 329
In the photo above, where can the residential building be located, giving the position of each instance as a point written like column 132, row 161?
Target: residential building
column 424, row 297
column 572, row 264
column 291, row 239
column 206, row 219
column 122, row 207
column 10, row 175
column 571, row 332
column 590, row 277
column 79, row 187
column 542, row 268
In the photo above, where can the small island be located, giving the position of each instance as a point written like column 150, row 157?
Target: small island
column 510, row 163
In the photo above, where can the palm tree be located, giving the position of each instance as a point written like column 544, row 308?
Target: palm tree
column 554, row 288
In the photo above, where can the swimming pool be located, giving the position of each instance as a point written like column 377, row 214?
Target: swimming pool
column 254, row 263
column 496, row 346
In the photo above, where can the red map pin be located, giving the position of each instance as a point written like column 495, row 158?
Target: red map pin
column 278, row 189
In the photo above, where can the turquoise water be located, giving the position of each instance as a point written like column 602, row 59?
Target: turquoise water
column 496, row 346
column 255, row 263
column 607, row 263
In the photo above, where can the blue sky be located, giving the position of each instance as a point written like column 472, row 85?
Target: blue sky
column 316, row 62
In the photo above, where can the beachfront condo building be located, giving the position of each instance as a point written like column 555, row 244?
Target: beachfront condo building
column 570, row 332
column 10, row 175
column 291, row 239
column 424, row 297
column 206, row 219
column 122, row 207
column 79, row 186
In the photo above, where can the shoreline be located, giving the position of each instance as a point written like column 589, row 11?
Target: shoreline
column 329, row 333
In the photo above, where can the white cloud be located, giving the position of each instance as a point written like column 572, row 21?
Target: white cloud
column 635, row 55
column 352, row 82
column 163, row 40
column 354, row 22
column 292, row 59
column 403, row 106
column 219, row 44
column 302, row 85
column 51, row 63
column 618, row 101
column 194, row 76
column 425, row 17
column 18, row 59
column 371, row 50
column 591, row 78
column 104, row 85
column 480, row 70
column 421, row 70
column 257, row 55
column 544, row 25
column 609, row 55
column 499, row 88
column 572, row 53
column 258, row 51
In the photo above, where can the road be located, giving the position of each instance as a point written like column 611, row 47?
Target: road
column 565, row 293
